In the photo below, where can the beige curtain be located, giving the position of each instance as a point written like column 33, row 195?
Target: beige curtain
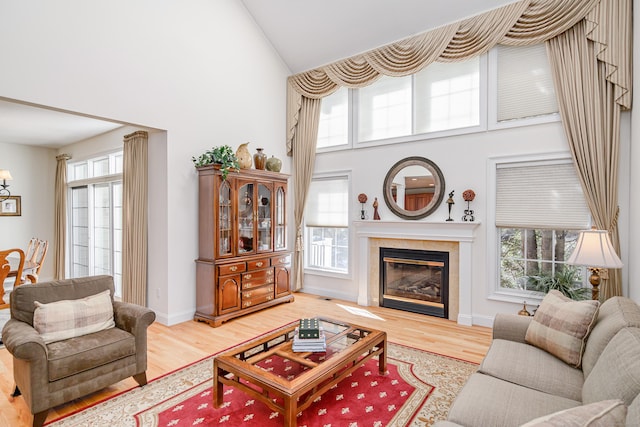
column 134, row 219
column 60, row 217
column 521, row 23
column 590, row 111
column 304, row 157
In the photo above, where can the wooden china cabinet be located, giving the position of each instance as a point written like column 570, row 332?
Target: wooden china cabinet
column 243, row 264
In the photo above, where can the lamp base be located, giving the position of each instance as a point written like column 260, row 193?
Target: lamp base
column 594, row 279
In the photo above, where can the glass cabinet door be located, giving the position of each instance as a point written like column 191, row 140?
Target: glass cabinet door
column 280, row 219
column 246, row 205
column 224, row 215
column 264, row 218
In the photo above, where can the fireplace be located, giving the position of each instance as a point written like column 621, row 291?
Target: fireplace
column 415, row 280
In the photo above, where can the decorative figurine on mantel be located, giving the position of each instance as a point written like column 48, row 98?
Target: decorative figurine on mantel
column 376, row 215
column 450, row 202
column 468, row 197
column 362, row 198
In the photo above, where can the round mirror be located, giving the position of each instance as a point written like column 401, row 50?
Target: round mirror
column 413, row 188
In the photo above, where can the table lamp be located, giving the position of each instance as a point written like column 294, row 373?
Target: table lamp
column 595, row 251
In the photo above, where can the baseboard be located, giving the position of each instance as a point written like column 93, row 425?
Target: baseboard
column 329, row 294
column 174, row 319
column 486, row 321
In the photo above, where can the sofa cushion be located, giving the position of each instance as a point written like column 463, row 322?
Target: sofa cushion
column 633, row 412
column 75, row 355
column 614, row 314
column 488, row 401
column 65, row 319
column 561, row 326
column 608, row 413
column 532, row 367
column 616, row 374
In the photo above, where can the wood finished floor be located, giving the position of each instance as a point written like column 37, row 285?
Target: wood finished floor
column 171, row 347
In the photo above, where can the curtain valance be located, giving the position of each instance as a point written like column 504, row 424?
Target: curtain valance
column 521, row 23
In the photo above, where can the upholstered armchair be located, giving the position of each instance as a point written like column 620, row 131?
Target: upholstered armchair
column 54, row 363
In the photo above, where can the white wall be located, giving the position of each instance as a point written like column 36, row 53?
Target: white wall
column 201, row 70
column 463, row 161
column 32, row 170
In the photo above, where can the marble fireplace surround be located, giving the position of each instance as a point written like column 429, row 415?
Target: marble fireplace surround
column 453, row 237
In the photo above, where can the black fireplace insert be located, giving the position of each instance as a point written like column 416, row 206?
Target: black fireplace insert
column 415, row 280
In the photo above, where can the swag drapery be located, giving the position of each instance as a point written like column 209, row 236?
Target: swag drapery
column 601, row 42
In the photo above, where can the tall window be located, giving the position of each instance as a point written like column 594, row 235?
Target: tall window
column 326, row 224
column 444, row 97
column 540, row 209
column 95, row 187
column 333, row 128
column 524, row 72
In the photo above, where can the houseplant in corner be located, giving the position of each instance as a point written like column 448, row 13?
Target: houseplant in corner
column 565, row 281
column 222, row 155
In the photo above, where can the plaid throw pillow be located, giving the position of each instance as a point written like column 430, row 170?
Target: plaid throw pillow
column 561, row 326
column 65, row 319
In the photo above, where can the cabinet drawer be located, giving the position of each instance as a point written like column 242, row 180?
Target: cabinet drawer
column 256, row 301
column 281, row 260
column 225, row 270
column 258, row 264
column 257, row 278
column 257, row 292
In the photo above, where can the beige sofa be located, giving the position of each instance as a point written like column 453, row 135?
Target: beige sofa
column 518, row 382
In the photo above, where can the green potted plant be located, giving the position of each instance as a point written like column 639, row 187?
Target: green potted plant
column 222, row 155
column 566, row 281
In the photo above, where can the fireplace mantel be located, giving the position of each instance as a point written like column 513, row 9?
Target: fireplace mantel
column 460, row 232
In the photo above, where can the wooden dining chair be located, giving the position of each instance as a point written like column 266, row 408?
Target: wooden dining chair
column 38, row 257
column 6, row 267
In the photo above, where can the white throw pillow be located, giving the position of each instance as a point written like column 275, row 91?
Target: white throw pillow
column 65, row 319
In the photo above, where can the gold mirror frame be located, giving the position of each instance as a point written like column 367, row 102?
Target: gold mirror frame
column 439, row 188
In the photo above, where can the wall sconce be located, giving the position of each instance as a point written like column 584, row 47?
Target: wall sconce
column 5, row 176
column 595, row 251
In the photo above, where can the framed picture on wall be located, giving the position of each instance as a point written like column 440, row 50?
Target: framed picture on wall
column 11, row 206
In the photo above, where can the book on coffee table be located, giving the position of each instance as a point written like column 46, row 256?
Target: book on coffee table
column 318, row 344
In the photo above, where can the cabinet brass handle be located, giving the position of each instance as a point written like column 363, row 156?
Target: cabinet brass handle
column 247, row 294
column 247, row 276
column 259, row 264
column 233, row 268
column 270, row 273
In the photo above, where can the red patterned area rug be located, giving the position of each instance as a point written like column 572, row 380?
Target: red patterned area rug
column 417, row 391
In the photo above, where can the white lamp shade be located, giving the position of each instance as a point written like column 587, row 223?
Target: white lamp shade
column 594, row 249
column 5, row 174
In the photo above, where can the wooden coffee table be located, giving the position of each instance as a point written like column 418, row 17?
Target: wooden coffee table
column 288, row 382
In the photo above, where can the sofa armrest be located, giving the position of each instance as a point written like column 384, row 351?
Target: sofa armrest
column 23, row 341
column 511, row 327
column 132, row 318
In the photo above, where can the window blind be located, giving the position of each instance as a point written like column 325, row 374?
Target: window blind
column 525, row 83
column 536, row 195
column 327, row 203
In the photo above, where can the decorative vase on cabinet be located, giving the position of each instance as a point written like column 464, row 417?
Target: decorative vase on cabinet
column 243, row 264
column 260, row 159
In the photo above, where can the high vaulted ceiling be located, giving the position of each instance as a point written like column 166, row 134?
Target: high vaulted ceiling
column 306, row 34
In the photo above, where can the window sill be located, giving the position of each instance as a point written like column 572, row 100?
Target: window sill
column 517, row 297
column 327, row 273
